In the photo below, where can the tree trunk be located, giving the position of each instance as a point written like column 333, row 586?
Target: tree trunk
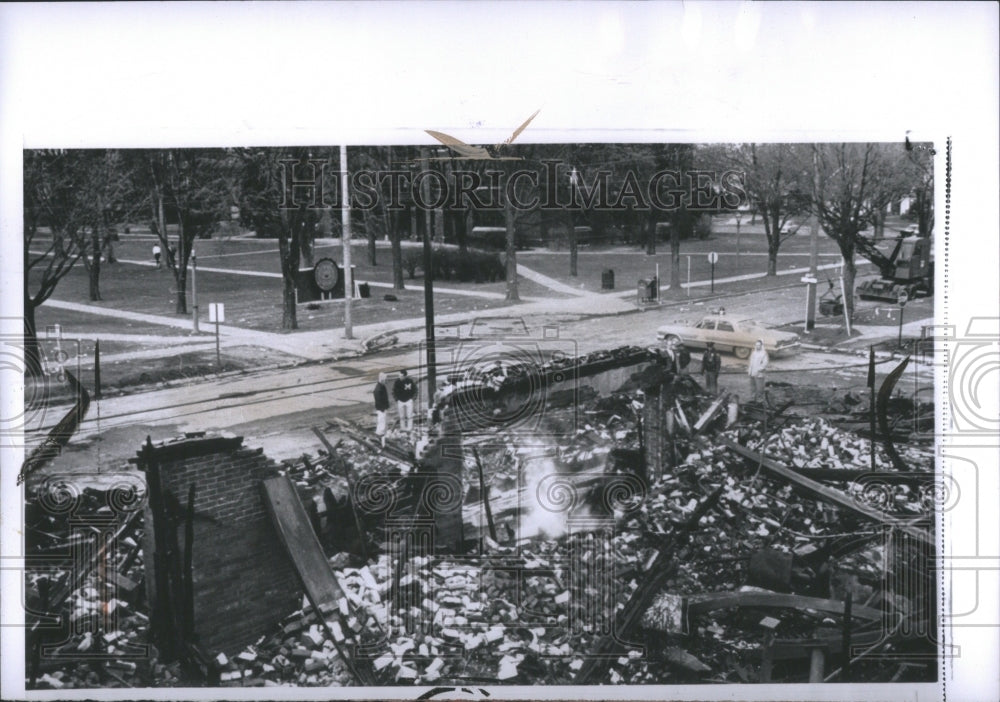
column 461, row 234
column 675, row 261
column 393, row 223
column 571, row 237
column 924, row 202
column 308, row 248
column 161, row 221
column 289, row 320
column 508, row 216
column 32, row 354
column 94, row 271
column 109, row 242
column 849, row 273
column 397, row 252
column 772, row 221
column 651, row 234
column 180, row 277
column 878, row 224
column 370, row 234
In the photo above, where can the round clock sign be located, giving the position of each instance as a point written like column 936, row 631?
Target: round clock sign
column 327, row 274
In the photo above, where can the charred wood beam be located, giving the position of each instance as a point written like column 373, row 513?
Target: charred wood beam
column 882, row 411
column 824, row 492
column 484, row 490
column 847, row 475
column 332, row 451
column 699, row 604
column 662, row 567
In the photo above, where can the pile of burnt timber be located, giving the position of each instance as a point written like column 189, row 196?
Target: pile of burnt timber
column 761, row 551
column 86, row 615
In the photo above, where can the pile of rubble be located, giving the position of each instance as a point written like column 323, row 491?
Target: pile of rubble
column 86, row 627
column 506, row 616
column 535, row 610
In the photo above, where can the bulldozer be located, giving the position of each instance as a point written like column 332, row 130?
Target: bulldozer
column 909, row 268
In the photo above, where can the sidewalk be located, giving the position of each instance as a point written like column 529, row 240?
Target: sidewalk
column 325, row 344
column 328, row 344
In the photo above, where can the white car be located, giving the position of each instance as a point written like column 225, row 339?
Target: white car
column 734, row 334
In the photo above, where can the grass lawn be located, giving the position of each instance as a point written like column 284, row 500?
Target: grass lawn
column 252, row 302
column 632, row 263
column 118, row 375
column 255, row 301
column 83, row 324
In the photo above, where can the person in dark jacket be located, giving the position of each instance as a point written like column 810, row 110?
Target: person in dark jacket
column 403, row 392
column 670, row 356
column 683, row 358
column 711, row 362
column 381, row 394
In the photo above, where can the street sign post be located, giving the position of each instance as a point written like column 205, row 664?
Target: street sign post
column 713, row 258
column 217, row 315
column 810, row 282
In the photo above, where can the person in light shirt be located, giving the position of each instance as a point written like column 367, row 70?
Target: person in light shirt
column 403, row 392
column 758, row 364
column 381, row 396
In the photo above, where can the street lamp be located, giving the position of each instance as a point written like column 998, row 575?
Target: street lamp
column 739, row 216
column 194, row 288
column 345, row 240
column 429, row 297
column 811, row 279
column 574, row 184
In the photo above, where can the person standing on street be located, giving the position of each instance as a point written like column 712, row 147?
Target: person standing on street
column 683, row 358
column 156, row 254
column 711, row 362
column 672, row 362
column 758, row 364
column 403, row 392
column 381, row 394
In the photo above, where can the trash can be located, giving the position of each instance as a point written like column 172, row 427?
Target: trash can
column 365, row 290
column 608, row 279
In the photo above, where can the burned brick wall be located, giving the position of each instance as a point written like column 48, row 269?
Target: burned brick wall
column 217, row 574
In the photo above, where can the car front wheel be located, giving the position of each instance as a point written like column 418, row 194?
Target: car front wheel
column 741, row 352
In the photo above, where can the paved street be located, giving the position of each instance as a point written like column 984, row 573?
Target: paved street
column 276, row 408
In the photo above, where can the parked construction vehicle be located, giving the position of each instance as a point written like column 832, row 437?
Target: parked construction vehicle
column 909, row 268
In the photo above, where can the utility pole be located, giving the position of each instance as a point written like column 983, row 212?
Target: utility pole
column 811, row 279
column 345, row 239
column 428, row 293
column 194, row 287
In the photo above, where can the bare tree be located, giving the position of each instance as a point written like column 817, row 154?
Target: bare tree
column 108, row 185
column 777, row 184
column 263, row 206
column 70, row 199
column 194, row 186
column 848, row 177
